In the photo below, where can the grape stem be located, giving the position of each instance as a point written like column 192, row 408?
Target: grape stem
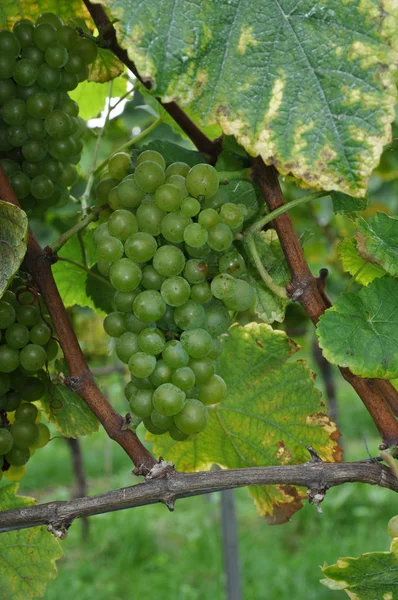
column 265, row 276
column 91, row 216
column 86, row 269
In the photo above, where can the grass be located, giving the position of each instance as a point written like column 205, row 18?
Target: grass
column 150, row 553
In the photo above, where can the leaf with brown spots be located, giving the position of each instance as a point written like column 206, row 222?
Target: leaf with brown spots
column 272, row 412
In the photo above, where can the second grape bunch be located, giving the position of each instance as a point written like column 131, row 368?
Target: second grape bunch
column 168, row 250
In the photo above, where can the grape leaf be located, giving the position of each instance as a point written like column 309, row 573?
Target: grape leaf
column 371, row 576
column 100, row 293
column 105, row 67
column 360, row 331
column 308, row 86
column 175, row 153
column 377, row 241
column 342, row 203
column 272, row 411
column 66, row 410
column 363, row 271
column 13, row 241
column 11, row 11
column 91, row 97
column 27, row 556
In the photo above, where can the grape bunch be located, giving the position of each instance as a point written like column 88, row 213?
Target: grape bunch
column 168, row 250
column 26, row 346
column 40, row 130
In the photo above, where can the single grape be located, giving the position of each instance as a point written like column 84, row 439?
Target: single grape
column 195, row 235
column 26, row 411
column 48, row 78
column 74, row 64
column 183, row 378
column 44, row 35
column 25, row 72
column 35, row 129
column 195, row 271
column 140, row 246
column 133, row 324
column 40, row 334
column 23, row 29
column 243, row 297
column 7, row 315
column 125, row 275
column 178, row 182
column 68, row 175
column 217, row 320
column 41, row 187
column 168, row 261
column 151, row 427
column 103, row 188
column 201, row 293
column 68, row 37
column 101, row 233
column 197, row 342
column 6, row 440
column 43, row 436
column 168, row 197
column 7, row 65
column 175, row 291
column 7, row 87
column 176, row 434
column 151, row 341
column 232, row 263
column 51, row 19
column 9, row 297
column 24, row 433
column 149, row 176
column 142, row 364
column 168, row 399
column 162, row 373
column 118, row 164
column 220, row 237
column 17, row 135
column 9, row 359
column 141, row 383
column 190, row 207
column 34, row 53
column 14, row 112
column 151, row 280
column 122, row 223
column 203, row 369
column 9, row 44
column 56, row 56
column 189, row 315
column 129, row 194
column 58, row 124
column 213, row 390
column 52, row 349
column 177, row 168
column 17, row 457
column 153, row 156
column 33, row 357
column 86, row 48
column 149, row 217
column 17, row 336
column 223, row 286
column 149, row 306
column 104, row 267
column 175, row 355
column 193, row 418
column 202, row 180
column 34, row 150
column 123, row 301
column 71, row 108
column 115, row 324
column 141, row 403
column 126, row 346
column 173, row 226
column 161, row 421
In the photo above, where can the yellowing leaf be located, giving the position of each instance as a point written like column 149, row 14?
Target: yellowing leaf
column 363, row 271
column 377, row 241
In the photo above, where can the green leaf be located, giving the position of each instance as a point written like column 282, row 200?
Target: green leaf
column 106, row 66
column 371, row 576
column 13, row 241
column 66, row 410
column 11, row 11
column 342, row 203
column 360, row 331
column 271, row 413
column 27, row 556
column 91, row 97
column 175, row 153
column 100, row 292
column 377, row 241
column 363, row 271
column 309, row 87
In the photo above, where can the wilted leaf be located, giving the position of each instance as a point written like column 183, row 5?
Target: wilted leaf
column 106, row 66
column 27, row 556
column 271, row 413
column 377, row 241
column 13, row 240
column 360, row 331
column 363, row 271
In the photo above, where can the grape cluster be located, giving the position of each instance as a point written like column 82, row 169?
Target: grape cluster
column 167, row 249
column 26, row 345
column 40, row 130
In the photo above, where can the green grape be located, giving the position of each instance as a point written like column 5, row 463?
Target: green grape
column 149, row 217
column 189, row 315
column 88, row 49
column 25, row 72
column 6, row 441
column 201, row 252
column 58, row 124
column 68, row 175
column 103, row 188
column 4, row 143
column 140, row 247
column 232, row 263
column 44, row 35
column 133, row 324
column 178, row 182
column 101, row 233
column 195, row 235
column 190, row 207
column 62, row 149
column 177, row 168
column 113, row 200
column 20, row 184
column 195, row 271
column 141, row 383
column 220, row 237
column 43, row 436
column 24, row 433
column 175, row 355
column 7, row 315
column 14, row 112
column 33, row 53
column 52, row 350
column 34, row 150
column 26, row 411
column 151, row 341
column 9, row 359
column 23, row 29
column 41, row 187
column 208, row 218
column 168, row 197
column 51, row 19
column 197, row 342
column 167, row 322
column 17, row 457
column 7, row 65
column 149, row 176
column 35, row 129
column 122, row 223
column 153, row 156
column 75, row 63
column 213, row 390
column 243, row 297
column 161, row 421
column 193, row 418
column 168, row 399
column 149, row 306
column 173, row 226
column 141, row 403
column 231, row 214
column 217, row 320
column 126, row 346
column 48, row 78
column 33, row 357
column 168, row 261
column 104, row 267
column 7, row 88
column 40, row 334
column 202, row 180
column 17, row 135
column 25, row 91
column 201, row 293
column 142, row 364
column 176, row 434
column 56, row 56
column 162, row 373
column 9, row 44
column 151, row 280
column 70, row 107
column 9, row 297
column 33, row 389
column 175, row 291
column 125, row 275
column 68, row 37
column 129, row 194
column 17, row 336
column 183, row 378
column 123, row 301
column 12, row 401
column 203, row 369
column 5, row 384
column 151, row 427
column 118, row 164
column 223, row 286
column 115, row 324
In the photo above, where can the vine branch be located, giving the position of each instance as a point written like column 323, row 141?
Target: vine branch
column 316, row 475
column 38, row 264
